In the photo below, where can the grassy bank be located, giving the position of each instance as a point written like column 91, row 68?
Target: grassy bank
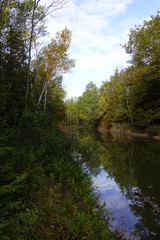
column 45, row 194
column 127, row 130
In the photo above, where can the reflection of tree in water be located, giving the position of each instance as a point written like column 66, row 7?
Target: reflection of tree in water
column 141, row 205
column 135, row 167
column 89, row 151
column 117, row 160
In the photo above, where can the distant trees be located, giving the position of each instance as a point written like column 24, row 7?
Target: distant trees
column 132, row 96
column 85, row 108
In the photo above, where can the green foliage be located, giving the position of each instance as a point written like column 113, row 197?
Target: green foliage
column 143, row 44
column 132, row 95
column 50, row 65
column 114, row 101
column 14, row 45
column 44, row 192
column 72, row 111
column 68, row 209
column 153, row 130
column 85, row 108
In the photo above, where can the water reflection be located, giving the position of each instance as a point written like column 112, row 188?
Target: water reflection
column 116, row 202
column 127, row 174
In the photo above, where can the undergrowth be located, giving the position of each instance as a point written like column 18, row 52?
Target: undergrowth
column 45, row 194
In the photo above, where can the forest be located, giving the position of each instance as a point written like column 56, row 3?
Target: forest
column 44, row 192
column 131, row 98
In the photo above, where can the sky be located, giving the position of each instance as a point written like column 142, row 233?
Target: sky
column 99, row 28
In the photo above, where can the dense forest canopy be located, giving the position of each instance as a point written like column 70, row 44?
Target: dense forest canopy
column 132, row 96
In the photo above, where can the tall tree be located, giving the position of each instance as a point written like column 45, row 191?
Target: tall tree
column 53, row 62
column 21, row 24
column 37, row 16
column 144, row 48
column 13, row 58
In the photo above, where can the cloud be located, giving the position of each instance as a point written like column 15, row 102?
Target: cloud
column 87, row 19
column 105, row 183
column 105, row 7
column 95, row 44
column 110, row 192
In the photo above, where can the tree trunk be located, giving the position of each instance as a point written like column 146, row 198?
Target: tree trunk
column 45, row 97
column 40, row 97
column 30, row 48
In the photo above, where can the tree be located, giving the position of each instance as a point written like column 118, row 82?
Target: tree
column 21, row 24
column 112, row 101
column 72, row 111
column 132, row 95
column 13, row 60
column 87, row 104
column 53, row 62
column 144, row 48
column 35, row 19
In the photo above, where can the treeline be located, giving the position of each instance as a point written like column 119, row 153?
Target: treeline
column 132, row 96
column 44, row 193
column 27, row 84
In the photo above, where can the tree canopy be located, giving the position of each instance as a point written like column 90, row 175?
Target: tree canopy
column 132, row 96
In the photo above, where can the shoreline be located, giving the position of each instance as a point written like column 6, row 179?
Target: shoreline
column 128, row 132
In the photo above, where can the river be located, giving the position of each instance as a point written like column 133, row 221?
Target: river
column 126, row 173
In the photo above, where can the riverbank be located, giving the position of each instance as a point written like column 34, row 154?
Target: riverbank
column 45, row 193
column 128, row 132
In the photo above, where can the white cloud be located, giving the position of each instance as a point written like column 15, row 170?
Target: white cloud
column 105, row 7
column 95, row 45
column 110, row 192
column 104, row 183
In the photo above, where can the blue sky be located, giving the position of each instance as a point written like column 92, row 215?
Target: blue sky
column 98, row 27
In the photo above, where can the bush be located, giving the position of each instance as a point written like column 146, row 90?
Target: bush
column 153, row 130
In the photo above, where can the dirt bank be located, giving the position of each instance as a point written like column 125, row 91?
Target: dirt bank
column 128, row 132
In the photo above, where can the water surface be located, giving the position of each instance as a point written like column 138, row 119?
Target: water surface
column 126, row 172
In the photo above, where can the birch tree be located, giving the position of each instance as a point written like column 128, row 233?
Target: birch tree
column 54, row 62
column 37, row 17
